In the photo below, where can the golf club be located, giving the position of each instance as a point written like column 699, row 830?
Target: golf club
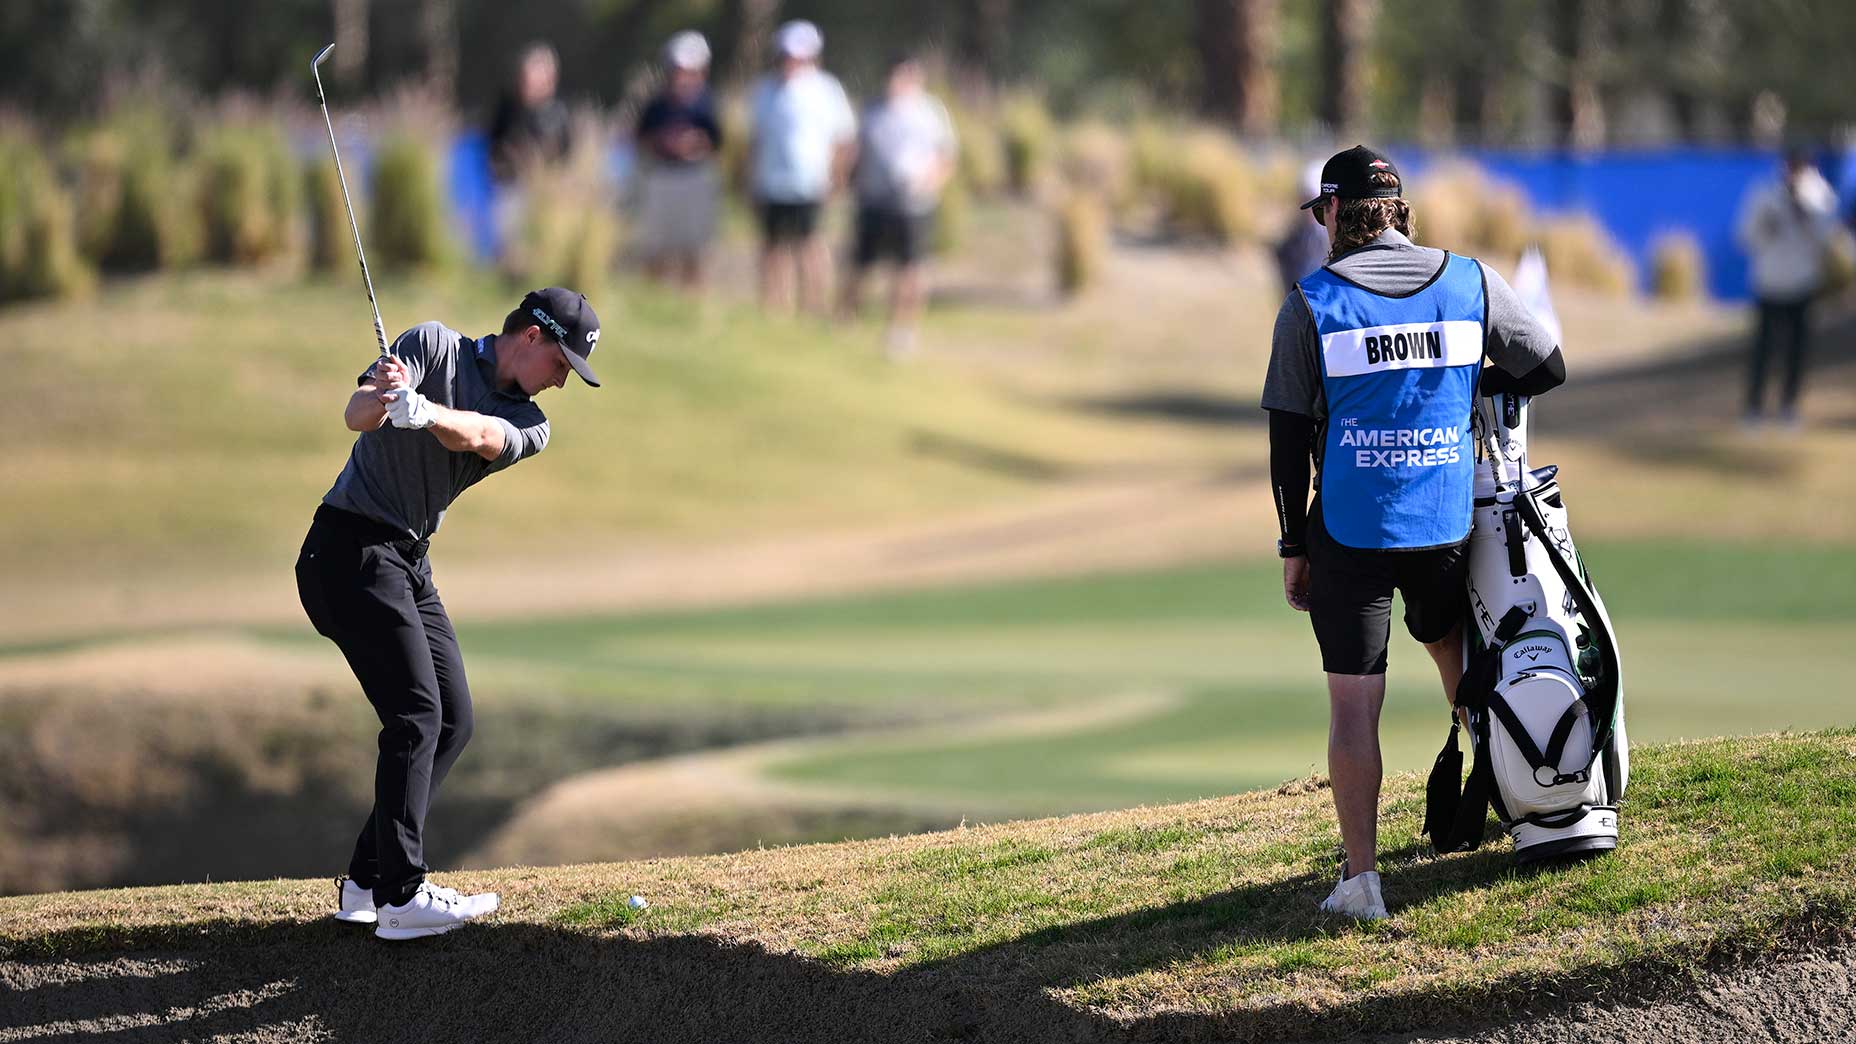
column 315, row 70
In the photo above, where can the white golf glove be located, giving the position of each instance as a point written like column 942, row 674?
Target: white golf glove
column 409, row 409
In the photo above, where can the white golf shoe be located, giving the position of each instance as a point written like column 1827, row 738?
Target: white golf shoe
column 433, row 910
column 353, row 903
column 1357, row 897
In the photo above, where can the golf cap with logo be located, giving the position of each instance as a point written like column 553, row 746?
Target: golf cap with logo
column 799, row 40
column 567, row 317
column 1349, row 175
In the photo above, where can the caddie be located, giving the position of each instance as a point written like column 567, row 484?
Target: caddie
column 436, row 415
column 1374, row 366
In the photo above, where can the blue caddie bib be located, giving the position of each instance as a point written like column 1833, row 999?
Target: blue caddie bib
column 1398, row 460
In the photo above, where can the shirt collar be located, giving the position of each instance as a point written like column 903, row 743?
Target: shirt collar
column 1389, row 238
column 486, row 365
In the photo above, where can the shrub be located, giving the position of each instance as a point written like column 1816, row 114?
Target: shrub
column 251, row 194
column 733, row 159
column 1580, row 252
column 1445, row 206
column 569, row 232
column 1028, row 137
column 406, row 219
column 1839, row 261
column 953, row 217
column 138, row 204
column 1098, row 158
column 97, row 159
column 1082, row 242
column 1678, row 270
column 38, row 229
column 331, row 240
column 982, row 167
column 1208, row 189
column 1458, row 208
column 1152, row 147
column 1501, row 222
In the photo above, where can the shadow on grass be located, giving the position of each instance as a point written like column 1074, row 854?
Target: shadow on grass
column 1183, row 407
column 514, row 982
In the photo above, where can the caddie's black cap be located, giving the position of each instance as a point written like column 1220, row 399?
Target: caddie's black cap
column 1349, row 175
column 567, row 317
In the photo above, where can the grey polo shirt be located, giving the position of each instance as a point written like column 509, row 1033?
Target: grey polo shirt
column 407, row 478
column 1391, row 264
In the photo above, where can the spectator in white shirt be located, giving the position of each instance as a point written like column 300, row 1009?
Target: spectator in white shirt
column 804, row 138
column 905, row 155
column 1786, row 227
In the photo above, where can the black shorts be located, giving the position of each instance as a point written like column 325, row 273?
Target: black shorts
column 892, row 235
column 783, row 223
column 1350, row 597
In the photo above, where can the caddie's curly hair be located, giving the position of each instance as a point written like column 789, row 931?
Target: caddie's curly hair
column 1358, row 220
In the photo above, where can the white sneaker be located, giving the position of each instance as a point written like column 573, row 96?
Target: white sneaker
column 353, row 903
column 1357, row 897
column 476, row 905
column 432, row 911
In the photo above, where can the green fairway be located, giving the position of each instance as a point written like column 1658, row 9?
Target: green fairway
column 1717, row 640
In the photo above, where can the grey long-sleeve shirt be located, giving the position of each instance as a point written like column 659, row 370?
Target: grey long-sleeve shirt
column 407, row 478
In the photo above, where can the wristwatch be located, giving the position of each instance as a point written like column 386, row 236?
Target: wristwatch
column 1290, row 550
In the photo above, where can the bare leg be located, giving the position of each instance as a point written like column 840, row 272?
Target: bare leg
column 1447, row 653
column 851, row 301
column 776, row 265
column 814, row 262
column 1354, row 768
column 907, row 296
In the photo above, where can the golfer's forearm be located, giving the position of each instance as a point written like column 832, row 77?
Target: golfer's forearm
column 364, row 411
column 462, row 431
column 1292, row 444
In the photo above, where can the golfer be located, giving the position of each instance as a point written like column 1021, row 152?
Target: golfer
column 437, row 414
column 1373, row 371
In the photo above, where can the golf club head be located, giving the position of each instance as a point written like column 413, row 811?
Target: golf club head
column 315, row 67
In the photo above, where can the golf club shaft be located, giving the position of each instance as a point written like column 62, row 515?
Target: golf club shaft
column 380, row 330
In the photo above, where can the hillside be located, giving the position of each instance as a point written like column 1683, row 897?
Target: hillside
column 1188, row 922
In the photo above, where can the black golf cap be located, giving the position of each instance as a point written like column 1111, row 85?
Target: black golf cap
column 1349, row 175
column 566, row 316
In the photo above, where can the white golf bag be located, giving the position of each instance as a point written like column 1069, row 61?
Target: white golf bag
column 1542, row 692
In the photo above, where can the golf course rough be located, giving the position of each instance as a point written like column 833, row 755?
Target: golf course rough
column 1200, row 918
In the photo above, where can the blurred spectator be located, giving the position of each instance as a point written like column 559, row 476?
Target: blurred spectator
column 680, row 191
column 804, row 139
column 906, row 153
column 531, row 125
column 1786, row 226
column 1304, row 245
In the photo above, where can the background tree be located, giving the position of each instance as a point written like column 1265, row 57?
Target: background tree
column 1238, row 42
column 1345, row 30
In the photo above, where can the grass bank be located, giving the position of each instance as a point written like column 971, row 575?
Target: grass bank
column 1194, row 922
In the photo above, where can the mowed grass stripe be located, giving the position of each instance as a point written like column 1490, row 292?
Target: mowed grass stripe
column 1640, row 580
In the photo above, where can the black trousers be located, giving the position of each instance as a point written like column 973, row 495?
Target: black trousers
column 1783, row 326
column 369, row 590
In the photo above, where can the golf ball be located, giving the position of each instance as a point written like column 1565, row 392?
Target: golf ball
column 637, row 902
